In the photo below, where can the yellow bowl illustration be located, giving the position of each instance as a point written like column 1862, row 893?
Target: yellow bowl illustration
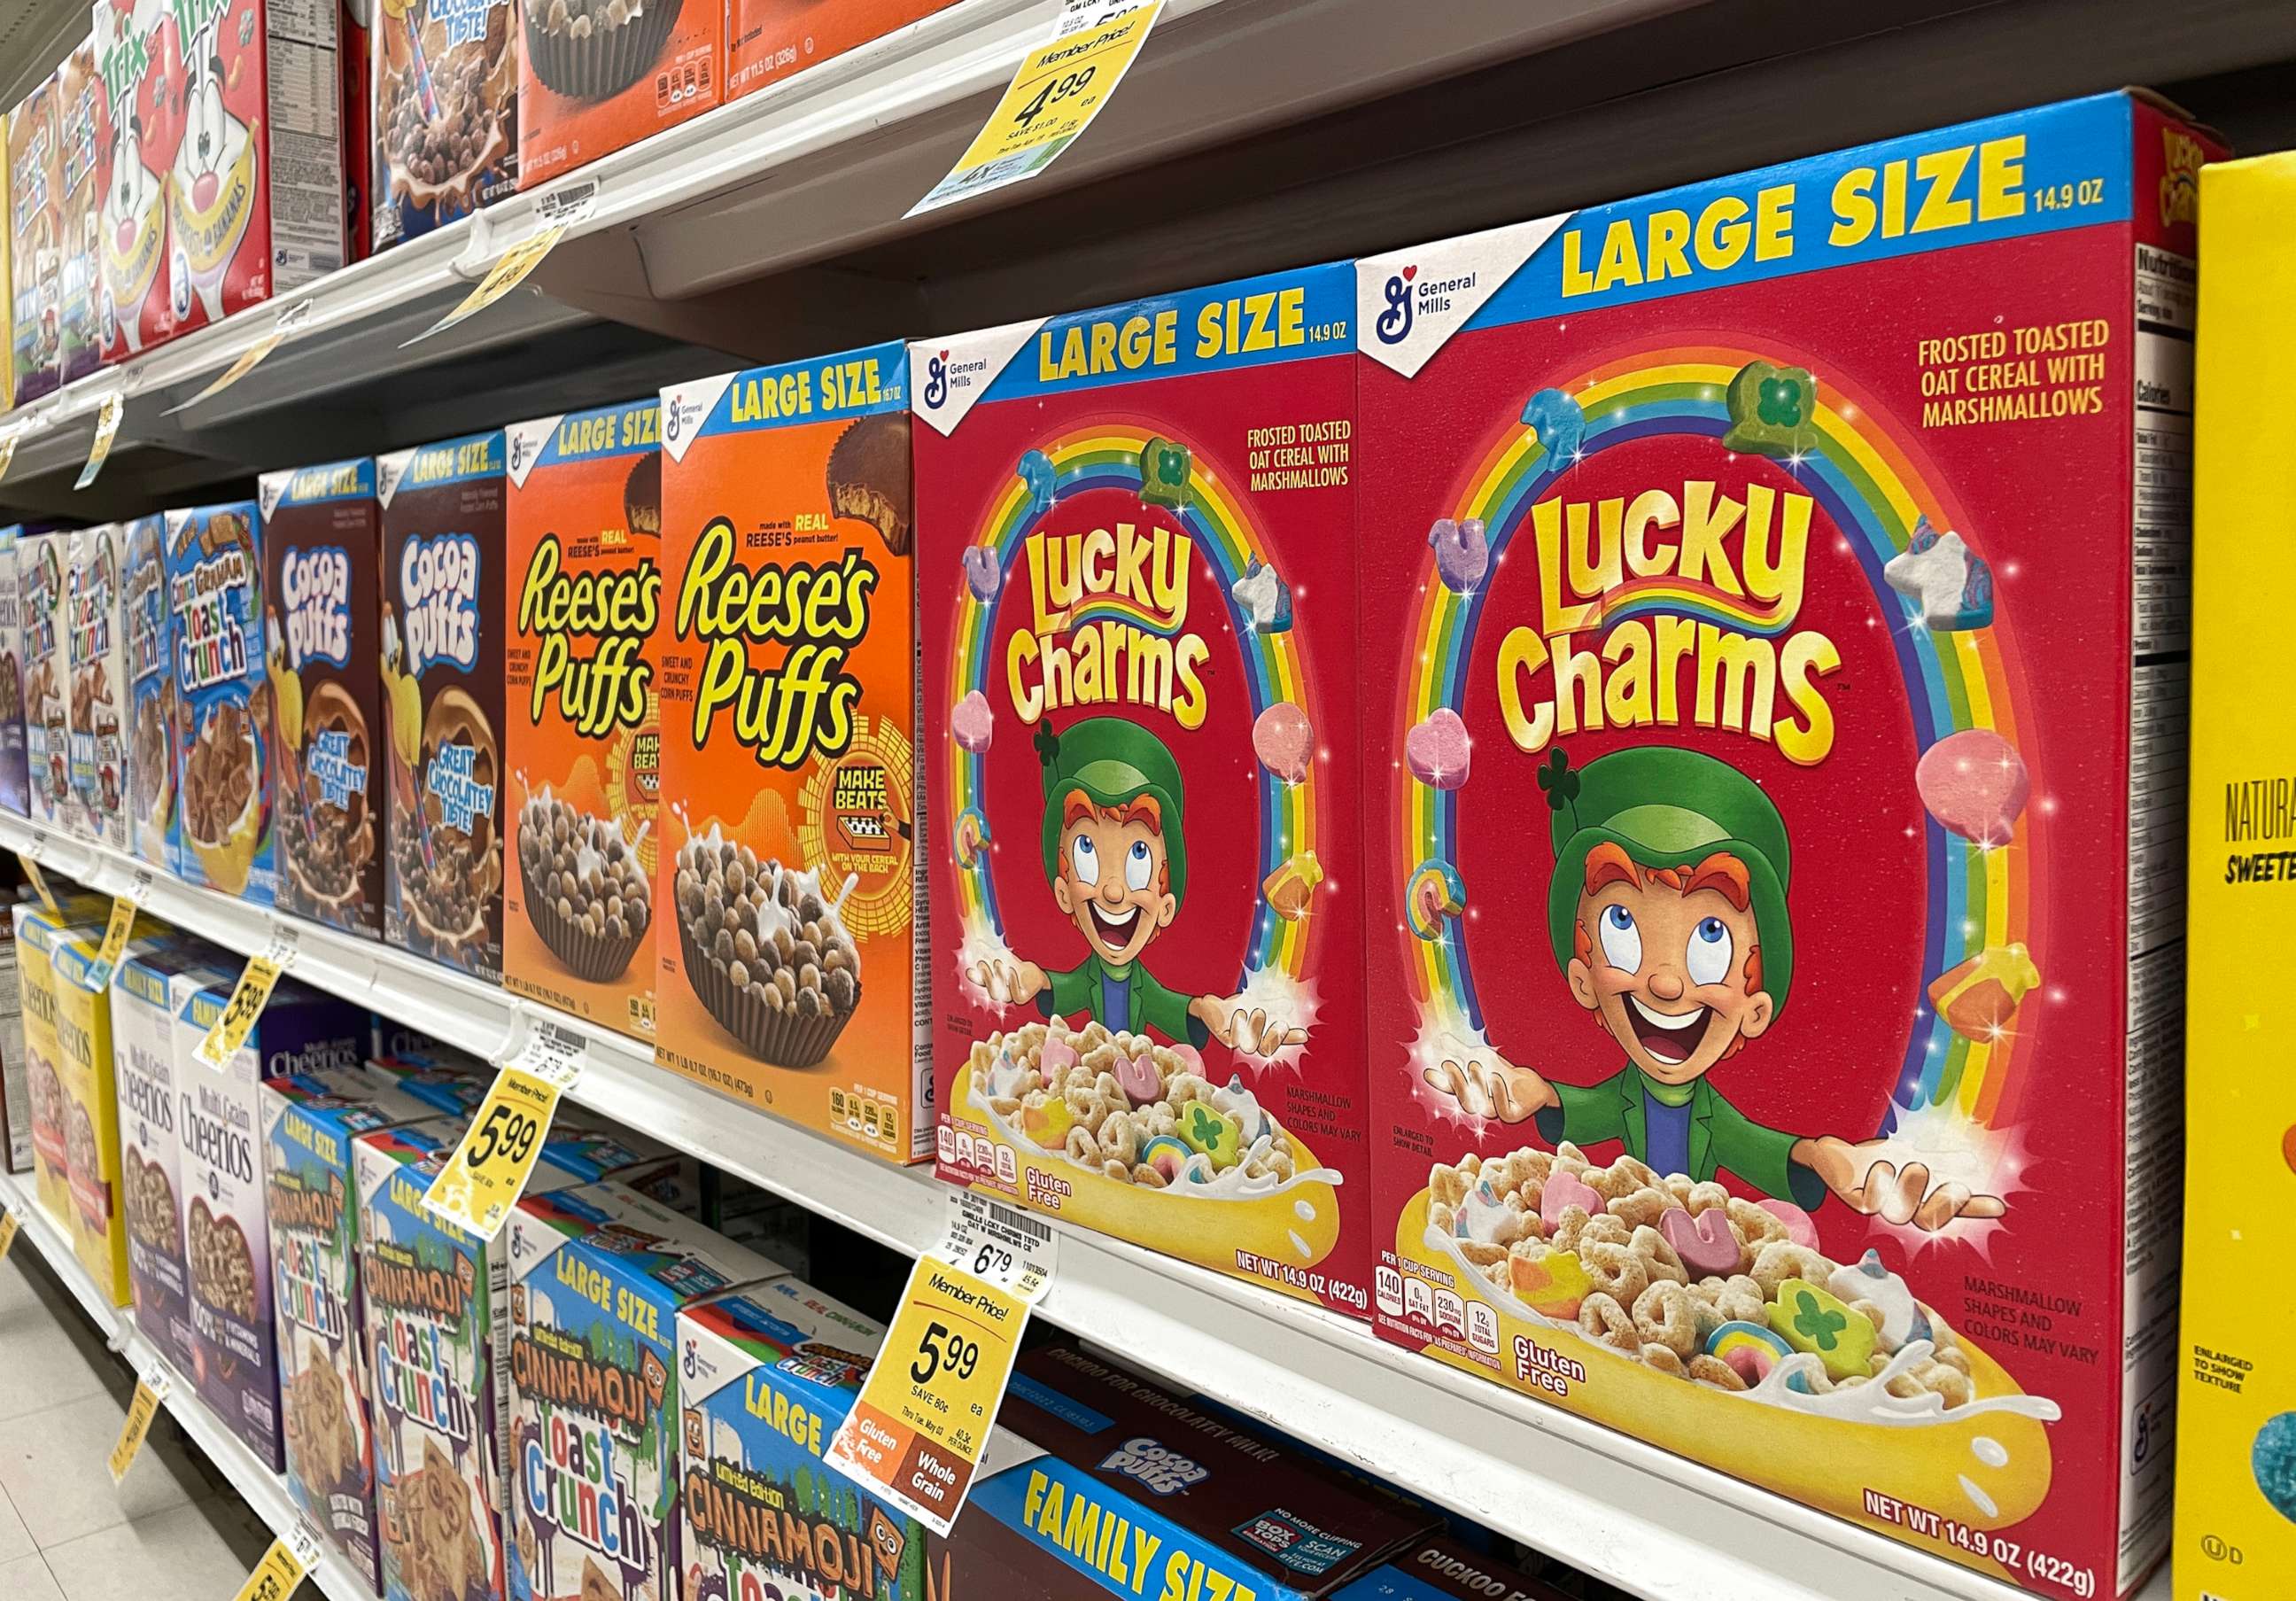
column 1979, row 1466
column 227, row 862
column 1291, row 1229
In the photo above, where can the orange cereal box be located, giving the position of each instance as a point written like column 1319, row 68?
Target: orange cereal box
column 767, row 40
column 596, row 75
column 787, row 972
column 581, row 719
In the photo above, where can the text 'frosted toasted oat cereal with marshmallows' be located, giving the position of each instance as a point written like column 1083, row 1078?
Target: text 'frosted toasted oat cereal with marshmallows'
column 1775, row 720
column 223, row 729
column 787, row 962
column 1137, row 611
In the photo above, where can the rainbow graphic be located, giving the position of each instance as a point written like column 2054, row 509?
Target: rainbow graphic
column 1871, row 484
column 1215, row 517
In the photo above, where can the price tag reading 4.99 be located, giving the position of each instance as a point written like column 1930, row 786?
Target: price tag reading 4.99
column 483, row 1179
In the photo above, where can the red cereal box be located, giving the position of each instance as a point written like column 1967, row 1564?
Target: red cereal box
column 1135, row 569
column 596, row 75
column 1773, row 780
column 255, row 194
column 138, row 121
column 767, row 40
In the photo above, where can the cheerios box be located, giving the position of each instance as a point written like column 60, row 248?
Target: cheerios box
column 1136, row 592
column 788, row 969
column 147, row 643
column 598, row 1275
column 90, row 1107
column 38, row 931
column 2235, row 1398
column 216, row 614
column 152, row 1144
column 594, row 76
column 581, row 709
column 42, row 561
column 312, row 1118
column 15, row 767
column 1774, row 629
column 97, row 659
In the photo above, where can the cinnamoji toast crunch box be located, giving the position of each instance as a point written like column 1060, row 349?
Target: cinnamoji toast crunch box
column 1137, row 576
column 1773, row 609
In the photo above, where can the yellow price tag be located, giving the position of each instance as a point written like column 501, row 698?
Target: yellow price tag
column 125, row 906
column 556, row 211
column 483, row 1179
column 38, row 880
column 1053, row 96
column 282, row 1568
column 108, row 412
column 287, row 322
column 7, row 454
column 142, row 1407
column 9, row 1224
column 249, row 997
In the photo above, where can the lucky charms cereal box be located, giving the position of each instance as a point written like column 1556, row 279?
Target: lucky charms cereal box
column 1140, row 675
column 215, row 589
column 1773, row 663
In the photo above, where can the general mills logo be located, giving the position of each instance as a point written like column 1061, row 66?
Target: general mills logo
column 936, row 380
column 1394, row 323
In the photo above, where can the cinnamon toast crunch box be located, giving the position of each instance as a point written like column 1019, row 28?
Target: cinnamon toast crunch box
column 42, row 561
column 1775, row 756
column 1138, row 629
column 215, row 625
column 786, row 974
column 583, row 737
column 147, row 633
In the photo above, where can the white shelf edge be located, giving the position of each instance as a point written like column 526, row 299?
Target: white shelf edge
column 1655, row 1524
column 265, row 1491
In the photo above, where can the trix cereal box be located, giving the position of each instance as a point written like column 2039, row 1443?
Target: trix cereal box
column 42, row 561
column 444, row 111
column 2236, row 1535
column 582, row 713
column 310, row 1123
column 322, row 554
column 139, row 122
column 1141, row 667
column 598, row 1276
column 98, row 765
column 1774, row 607
column 785, row 655
column 596, row 75
column 151, row 1145
column 767, row 40
column 147, row 636
column 35, row 242
column 442, row 686
column 255, row 197
column 216, row 611
column 15, row 771
column 79, row 96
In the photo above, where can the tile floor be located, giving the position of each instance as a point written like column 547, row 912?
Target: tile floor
column 174, row 1530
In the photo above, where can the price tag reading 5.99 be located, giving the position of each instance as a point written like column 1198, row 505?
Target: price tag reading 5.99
column 483, row 1179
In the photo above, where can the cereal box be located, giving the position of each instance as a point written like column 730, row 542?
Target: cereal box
column 35, row 242
column 1847, row 601
column 41, row 560
column 767, row 40
column 596, row 75
column 355, row 97
column 152, row 1144
column 93, row 648
column 226, row 1242
column 37, row 933
column 442, row 684
column 15, row 771
column 445, row 112
column 91, row 1108
column 1440, row 1569
column 322, row 554
column 255, row 197
column 785, row 660
column 7, row 268
column 214, row 591
column 139, row 123
column 147, row 636
column 78, row 97
column 15, row 1080
column 597, row 1277
column 435, row 1346
column 1140, row 676
column 2235, row 1398
column 310, row 1123
column 584, row 732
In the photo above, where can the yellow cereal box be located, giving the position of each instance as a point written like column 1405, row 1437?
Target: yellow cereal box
column 37, row 933
column 90, row 1107
column 2236, row 1535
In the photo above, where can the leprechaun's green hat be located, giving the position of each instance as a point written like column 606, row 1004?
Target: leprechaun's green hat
column 1668, row 807
column 1111, row 763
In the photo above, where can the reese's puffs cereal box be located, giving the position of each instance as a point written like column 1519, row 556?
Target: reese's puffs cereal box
column 1774, row 781
column 583, row 738
column 1139, row 630
column 768, row 40
column 596, row 75
column 786, row 975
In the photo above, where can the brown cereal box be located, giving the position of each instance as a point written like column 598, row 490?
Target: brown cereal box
column 444, row 113
column 596, row 75
column 97, row 753
column 767, row 40
column 583, row 739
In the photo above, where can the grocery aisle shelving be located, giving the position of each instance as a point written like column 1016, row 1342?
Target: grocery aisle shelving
column 1650, row 1522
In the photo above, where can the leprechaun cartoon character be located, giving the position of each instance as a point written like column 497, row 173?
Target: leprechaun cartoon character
column 1116, row 854
column 1667, row 915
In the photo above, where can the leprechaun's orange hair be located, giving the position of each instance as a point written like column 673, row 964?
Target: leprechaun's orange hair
column 1608, row 864
column 1076, row 807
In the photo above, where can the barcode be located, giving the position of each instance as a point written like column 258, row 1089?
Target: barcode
column 1005, row 1216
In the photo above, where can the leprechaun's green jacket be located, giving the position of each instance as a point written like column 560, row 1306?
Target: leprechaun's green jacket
column 1720, row 1134
column 1084, row 987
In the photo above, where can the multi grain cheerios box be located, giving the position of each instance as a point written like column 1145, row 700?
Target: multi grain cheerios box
column 15, row 768
column 139, row 121
column 788, row 969
column 2236, row 1533
column 98, row 660
column 597, row 1277
column 445, row 112
column 583, row 739
column 147, row 635
column 152, row 1144
column 1137, row 609
column 1774, row 786
column 216, row 624
column 41, row 562
column 442, row 686
column 322, row 553
column 313, row 1117
column 594, row 76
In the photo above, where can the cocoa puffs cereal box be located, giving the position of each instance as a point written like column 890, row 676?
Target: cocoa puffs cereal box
column 1773, row 784
column 582, row 733
column 1138, row 621
column 786, row 975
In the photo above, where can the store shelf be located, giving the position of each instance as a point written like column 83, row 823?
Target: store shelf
column 1650, row 1522
column 262, row 1489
